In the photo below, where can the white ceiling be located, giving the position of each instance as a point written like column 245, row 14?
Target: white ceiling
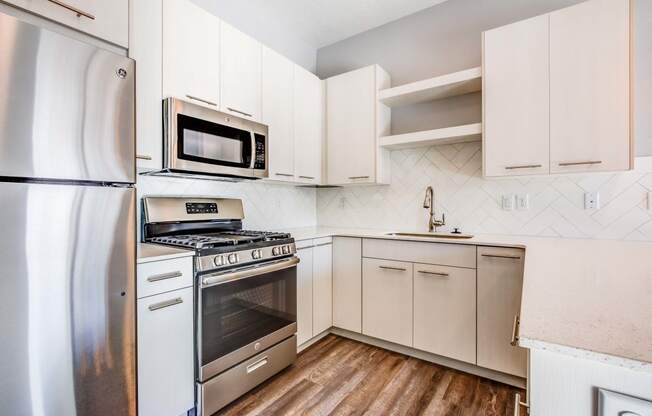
column 324, row 22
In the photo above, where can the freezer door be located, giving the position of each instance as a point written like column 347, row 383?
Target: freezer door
column 66, row 107
column 67, row 323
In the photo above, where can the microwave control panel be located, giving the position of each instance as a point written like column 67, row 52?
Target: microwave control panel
column 259, row 162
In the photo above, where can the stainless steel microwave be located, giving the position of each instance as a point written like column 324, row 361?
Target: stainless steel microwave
column 201, row 141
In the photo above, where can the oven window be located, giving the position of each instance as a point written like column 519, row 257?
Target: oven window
column 217, row 144
column 238, row 313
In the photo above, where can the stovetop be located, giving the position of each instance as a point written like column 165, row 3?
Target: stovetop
column 219, row 239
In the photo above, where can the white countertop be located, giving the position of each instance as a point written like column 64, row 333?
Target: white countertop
column 156, row 252
column 593, row 295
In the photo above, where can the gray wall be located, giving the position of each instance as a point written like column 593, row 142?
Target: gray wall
column 447, row 38
column 264, row 28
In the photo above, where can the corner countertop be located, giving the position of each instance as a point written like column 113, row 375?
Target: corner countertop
column 155, row 252
column 590, row 295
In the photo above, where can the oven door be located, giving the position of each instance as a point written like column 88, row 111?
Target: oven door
column 244, row 311
column 201, row 140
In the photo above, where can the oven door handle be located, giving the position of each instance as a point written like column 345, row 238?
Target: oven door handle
column 221, row 278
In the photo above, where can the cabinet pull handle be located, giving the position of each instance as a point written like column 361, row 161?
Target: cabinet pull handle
column 164, row 276
column 143, row 157
column 523, row 167
column 306, row 177
column 73, row 9
column 192, row 97
column 500, row 256
column 358, row 177
column 284, row 174
column 239, row 112
column 165, row 304
column 322, row 244
column 588, row 162
column 515, row 331
column 393, row 268
column 434, row 273
column 255, row 366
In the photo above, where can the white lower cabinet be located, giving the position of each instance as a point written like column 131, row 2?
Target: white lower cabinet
column 387, row 300
column 304, row 294
column 165, row 354
column 347, row 283
column 445, row 311
column 500, row 283
column 314, row 288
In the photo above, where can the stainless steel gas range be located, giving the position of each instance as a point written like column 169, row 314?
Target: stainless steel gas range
column 245, row 297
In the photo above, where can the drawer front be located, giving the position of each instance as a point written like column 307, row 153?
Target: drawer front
column 231, row 384
column 107, row 20
column 387, row 300
column 163, row 276
column 445, row 311
column 166, row 368
column 456, row 255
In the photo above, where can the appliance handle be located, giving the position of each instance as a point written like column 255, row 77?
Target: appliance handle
column 230, row 276
column 252, row 164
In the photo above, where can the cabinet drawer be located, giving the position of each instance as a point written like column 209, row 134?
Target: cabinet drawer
column 445, row 311
column 165, row 354
column 387, row 300
column 163, row 276
column 416, row 252
column 108, row 20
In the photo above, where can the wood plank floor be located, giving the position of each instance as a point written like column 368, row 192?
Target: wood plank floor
column 338, row 376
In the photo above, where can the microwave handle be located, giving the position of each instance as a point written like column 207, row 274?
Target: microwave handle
column 252, row 163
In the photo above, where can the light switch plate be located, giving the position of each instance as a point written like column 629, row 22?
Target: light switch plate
column 509, row 202
column 523, row 202
column 617, row 404
column 592, row 200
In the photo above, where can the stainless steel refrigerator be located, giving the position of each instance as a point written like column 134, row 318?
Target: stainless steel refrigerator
column 67, row 218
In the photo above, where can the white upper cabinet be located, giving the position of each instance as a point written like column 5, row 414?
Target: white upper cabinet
column 308, row 126
column 107, row 20
column 355, row 119
column 191, row 60
column 241, row 63
column 515, row 98
column 589, row 87
column 278, row 75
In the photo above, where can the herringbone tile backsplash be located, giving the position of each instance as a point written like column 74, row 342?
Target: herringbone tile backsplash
column 474, row 204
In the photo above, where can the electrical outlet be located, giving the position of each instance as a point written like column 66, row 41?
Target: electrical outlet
column 592, row 200
column 509, row 202
column 523, row 202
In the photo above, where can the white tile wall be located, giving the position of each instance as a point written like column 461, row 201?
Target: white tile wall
column 266, row 205
column 473, row 203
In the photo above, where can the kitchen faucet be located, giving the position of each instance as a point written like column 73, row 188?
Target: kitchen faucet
column 429, row 202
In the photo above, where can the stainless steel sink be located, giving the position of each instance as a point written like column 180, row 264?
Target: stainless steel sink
column 432, row 235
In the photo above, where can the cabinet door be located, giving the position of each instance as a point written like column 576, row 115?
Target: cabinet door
column 304, row 295
column 241, row 73
column 589, row 87
column 146, row 47
column 322, row 289
column 347, row 283
column 278, row 74
column 308, row 126
column 191, row 53
column 445, row 311
column 351, row 126
column 500, row 282
column 166, row 354
column 516, row 99
column 387, row 300
column 107, row 20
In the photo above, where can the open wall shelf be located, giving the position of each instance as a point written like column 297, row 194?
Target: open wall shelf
column 448, row 135
column 444, row 86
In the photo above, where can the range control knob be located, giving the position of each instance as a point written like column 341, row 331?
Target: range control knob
column 286, row 249
column 276, row 251
column 233, row 258
column 256, row 254
column 218, row 261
